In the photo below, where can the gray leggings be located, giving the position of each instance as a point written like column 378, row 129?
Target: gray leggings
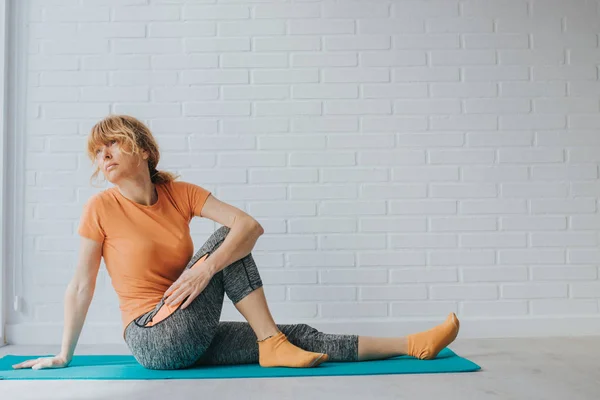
column 195, row 336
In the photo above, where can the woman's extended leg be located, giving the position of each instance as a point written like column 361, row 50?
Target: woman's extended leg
column 234, row 343
column 245, row 290
column 423, row 345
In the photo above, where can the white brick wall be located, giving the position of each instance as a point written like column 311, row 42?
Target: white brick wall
column 406, row 158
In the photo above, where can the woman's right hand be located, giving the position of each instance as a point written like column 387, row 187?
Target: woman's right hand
column 57, row 361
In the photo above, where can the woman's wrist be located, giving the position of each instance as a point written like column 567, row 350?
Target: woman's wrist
column 210, row 267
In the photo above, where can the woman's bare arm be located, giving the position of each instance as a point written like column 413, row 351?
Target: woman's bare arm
column 79, row 294
column 240, row 240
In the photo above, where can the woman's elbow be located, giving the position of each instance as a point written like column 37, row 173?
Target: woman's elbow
column 258, row 227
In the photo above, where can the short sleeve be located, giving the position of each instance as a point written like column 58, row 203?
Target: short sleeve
column 89, row 224
column 197, row 196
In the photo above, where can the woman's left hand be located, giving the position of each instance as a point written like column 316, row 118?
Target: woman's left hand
column 191, row 283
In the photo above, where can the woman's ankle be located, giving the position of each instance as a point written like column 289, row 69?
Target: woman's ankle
column 267, row 335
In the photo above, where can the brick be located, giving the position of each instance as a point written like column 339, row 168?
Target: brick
column 286, row 108
column 532, row 57
column 115, row 62
column 254, row 60
column 147, row 46
column 407, row 292
column 76, row 14
column 379, row 91
column 364, row 42
column 534, row 290
column 287, row 11
column 497, row 73
column 112, row 30
column 322, row 225
column 181, row 29
column 285, row 76
column 287, row 43
column 462, row 57
column 495, row 274
column 351, row 208
column 394, row 157
column 392, row 59
column 355, row 75
column 564, row 307
column 321, row 26
column 375, row 26
column 357, row 107
column 422, row 308
column 262, row 92
column 494, row 8
column 355, row 9
column 214, row 77
column 216, row 109
column 427, row 106
column 325, row 91
column 428, row 275
column 494, row 308
column 419, row 9
column 323, row 60
column 322, row 293
column 251, row 28
column 561, row 273
column 220, row 12
column 461, row 156
column 324, row 124
column 471, row 24
column 467, row 292
column 355, row 276
column 496, row 41
column 354, row 310
column 396, row 124
column 181, row 62
column 219, row 44
column 429, row 41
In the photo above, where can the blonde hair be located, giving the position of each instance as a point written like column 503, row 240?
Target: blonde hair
column 134, row 137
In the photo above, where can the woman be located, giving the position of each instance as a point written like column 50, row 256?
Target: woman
column 171, row 313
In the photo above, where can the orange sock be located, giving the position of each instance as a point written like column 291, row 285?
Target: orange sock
column 426, row 345
column 277, row 351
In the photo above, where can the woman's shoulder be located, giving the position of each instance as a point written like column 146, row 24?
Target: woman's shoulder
column 101, row 199
column 180, row 185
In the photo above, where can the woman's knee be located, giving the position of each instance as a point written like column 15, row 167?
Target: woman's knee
column 221, row 233
column 215, row 240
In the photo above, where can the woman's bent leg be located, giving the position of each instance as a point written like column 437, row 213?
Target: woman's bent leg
column 181, row 337
column 235, row 343
column 243, row 286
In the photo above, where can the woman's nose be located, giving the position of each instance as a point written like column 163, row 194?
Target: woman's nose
column 103, row 153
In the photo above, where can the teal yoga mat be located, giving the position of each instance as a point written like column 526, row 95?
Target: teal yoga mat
column 115, row 367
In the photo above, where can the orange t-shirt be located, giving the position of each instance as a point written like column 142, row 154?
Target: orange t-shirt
column 145, row 248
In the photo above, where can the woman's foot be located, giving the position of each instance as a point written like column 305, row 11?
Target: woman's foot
column 277, row 351
column 426, row 345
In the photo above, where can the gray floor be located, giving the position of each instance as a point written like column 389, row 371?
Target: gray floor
column 545, row 368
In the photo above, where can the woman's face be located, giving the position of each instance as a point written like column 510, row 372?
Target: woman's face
column 116, row 164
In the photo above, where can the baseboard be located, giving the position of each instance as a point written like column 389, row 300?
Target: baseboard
column 471, row 328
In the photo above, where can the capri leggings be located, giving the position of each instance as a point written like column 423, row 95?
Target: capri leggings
column 183, row 338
